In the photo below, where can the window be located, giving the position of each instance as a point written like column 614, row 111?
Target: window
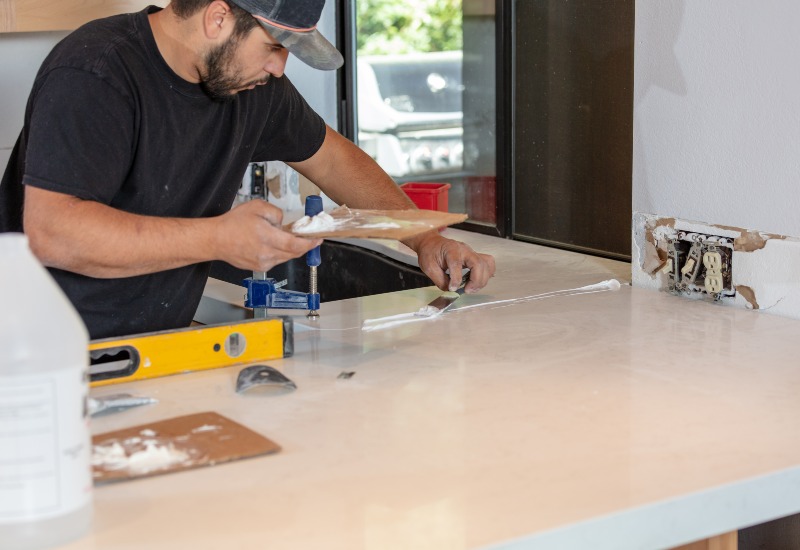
column 426, row 96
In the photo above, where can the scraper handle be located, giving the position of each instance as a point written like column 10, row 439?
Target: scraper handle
column 464, row 278
column 313, row 207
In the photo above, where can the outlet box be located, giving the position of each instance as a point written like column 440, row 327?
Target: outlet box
column 767, row 265
column 700, row 263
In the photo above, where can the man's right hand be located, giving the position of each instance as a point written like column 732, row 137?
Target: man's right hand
column 250, row 237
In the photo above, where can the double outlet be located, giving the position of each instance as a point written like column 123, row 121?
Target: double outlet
column 700, row 263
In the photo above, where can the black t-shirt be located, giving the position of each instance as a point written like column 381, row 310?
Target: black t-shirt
column 109, row 121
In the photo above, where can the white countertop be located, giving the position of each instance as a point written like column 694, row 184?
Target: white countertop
column 616, row 420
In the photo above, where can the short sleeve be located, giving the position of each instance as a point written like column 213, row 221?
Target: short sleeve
column 80, row 139
column 293, row 131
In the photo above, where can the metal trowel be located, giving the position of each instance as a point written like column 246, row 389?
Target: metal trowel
column 261, row 376
column 107, row 404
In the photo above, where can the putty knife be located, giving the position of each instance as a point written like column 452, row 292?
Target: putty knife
column 444, row 301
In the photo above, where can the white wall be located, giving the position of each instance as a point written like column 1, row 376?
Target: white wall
column 318, row 87
column 717, row 112
column 20, row 57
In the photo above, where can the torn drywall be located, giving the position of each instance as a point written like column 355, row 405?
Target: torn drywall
column 765, row 266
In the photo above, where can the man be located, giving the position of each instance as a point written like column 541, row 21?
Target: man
column 137, row 134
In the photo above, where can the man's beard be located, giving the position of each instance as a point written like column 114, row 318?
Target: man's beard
column 218, row 84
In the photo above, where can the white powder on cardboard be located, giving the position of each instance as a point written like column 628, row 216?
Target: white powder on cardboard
column 206, row 428
column 152, row 458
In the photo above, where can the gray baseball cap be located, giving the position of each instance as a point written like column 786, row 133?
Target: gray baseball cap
column 293, row 23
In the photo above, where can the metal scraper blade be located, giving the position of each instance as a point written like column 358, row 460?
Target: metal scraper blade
column 443, row 302
column 440, row 304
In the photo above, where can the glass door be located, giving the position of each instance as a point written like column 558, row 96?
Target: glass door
column 424, row 83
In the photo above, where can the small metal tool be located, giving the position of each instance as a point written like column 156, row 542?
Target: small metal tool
column 262, row 375
column 107, row 404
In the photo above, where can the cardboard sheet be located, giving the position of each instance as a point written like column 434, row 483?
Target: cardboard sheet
column 180, row 443
column 382, row 224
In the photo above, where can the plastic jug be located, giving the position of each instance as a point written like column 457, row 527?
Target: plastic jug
column 45, row 445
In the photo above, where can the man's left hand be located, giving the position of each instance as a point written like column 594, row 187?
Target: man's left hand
column 444, row 260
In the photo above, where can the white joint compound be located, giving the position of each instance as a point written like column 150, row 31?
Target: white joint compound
column 315, row 224
column 325, row 223
column 425, row 313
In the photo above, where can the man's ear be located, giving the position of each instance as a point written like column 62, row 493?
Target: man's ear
column 217, row 20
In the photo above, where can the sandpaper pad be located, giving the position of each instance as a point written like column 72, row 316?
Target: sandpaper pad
column 180, row 443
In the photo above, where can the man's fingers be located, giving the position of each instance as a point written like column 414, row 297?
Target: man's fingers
column 265, row 210
column 292, row 244
column 281, row 250
column 433, row 270
column 456, row 274
column 461, row 258
column 482, row 269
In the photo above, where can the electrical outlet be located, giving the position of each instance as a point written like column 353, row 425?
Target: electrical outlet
column 700, row 263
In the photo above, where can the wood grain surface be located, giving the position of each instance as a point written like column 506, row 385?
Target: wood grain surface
column 61, row 15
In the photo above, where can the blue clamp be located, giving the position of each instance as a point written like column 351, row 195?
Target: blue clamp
column 264, row 293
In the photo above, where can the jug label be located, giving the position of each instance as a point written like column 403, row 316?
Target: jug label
column 44, row 445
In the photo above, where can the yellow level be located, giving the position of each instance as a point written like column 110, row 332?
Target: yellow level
column 153, row 354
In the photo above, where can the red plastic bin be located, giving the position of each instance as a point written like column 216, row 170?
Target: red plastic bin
column 427, row 195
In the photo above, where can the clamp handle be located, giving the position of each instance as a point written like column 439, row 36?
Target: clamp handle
column 313, row 207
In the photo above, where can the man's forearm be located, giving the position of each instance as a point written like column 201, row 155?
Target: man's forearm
column 96, row 240
column 93, row 239
column 350, row 176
